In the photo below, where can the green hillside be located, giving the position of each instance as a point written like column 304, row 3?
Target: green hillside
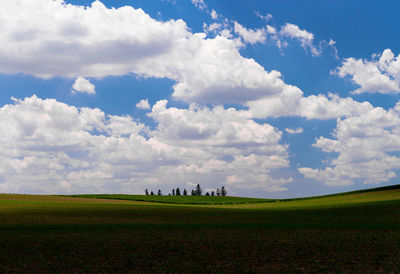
column 351, row 232
column 359, row 196
column 201, row 200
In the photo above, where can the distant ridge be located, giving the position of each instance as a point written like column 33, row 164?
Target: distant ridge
column 203, row 200
column 375, row 189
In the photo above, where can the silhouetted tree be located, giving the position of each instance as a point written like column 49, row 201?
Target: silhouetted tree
column 173, row 192
column 218, row 192
column 147, row 192
column 184, row 192
column 223, row 191
column 193, row 193
column 159, row 192
column 207, row 194
column 212, row 193
column 152, row 193
column 198, row 190
column 178, row 192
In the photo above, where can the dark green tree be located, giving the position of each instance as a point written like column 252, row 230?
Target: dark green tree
column 159, row 192
column 193, row 193
column 212, row 193
column 152, row 193
column 198, row 190
column 223, row 191
column 173, row 192
column 147, row 192
column 178, row 192
column 218, row 192
column 184, row 192
column 207, row 194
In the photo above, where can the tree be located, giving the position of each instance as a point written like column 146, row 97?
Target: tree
column 152, row 193
column 184, row 192
column 198, row 190
column 193, row 193
column 223, row 191
column 173, row 192
column 147, row 192
column 207, row 194
column 159, row 192
column 178, row 192
column 212, row 193
column 218, row 192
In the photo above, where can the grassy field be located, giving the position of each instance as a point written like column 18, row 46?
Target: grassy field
column 199, row 200
column 353, row 232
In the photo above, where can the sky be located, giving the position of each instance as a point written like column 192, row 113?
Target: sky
column 272, row 99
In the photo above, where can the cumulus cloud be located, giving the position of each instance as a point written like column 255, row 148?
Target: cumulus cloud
column 270, row 29
column 380, row 75
column 212, row 70
column 306, row 38
column 294, row 130
column 363, row 148
column 223, row 133
column 291, row 102
column 75, row 41
column 83, row 85
column 50, row 147
column 143, row 104
column 281, row 37
column 69, row 40
column 212, row 28
column 214, row 15
column 249, row 35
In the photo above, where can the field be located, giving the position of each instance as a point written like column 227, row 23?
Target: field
column 353, row 232
column 199, row 200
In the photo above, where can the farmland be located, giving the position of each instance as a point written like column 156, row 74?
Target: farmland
column 353, row 232
column 196, row 200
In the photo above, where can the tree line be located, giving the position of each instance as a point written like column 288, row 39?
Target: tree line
column 195, row 192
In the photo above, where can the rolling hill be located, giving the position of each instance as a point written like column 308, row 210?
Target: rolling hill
column 348, row 232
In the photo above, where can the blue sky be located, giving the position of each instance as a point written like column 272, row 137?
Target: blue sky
column 269, row 98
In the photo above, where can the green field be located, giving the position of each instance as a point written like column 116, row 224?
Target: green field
column 353, row 232
column 197, row 200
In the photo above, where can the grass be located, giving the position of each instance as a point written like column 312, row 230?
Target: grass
column 352, row 232
column 359, row 196
column 199, row 200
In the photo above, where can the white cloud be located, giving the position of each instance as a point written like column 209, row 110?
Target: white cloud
column 291, row 102
column 249, row 35
column 211, row 28
column 216, row 128
column 364, row 148
column 212, row 70
column 294, row 130
column 199, row 4
column 50, row 147
column 75, row 41
column 376, row 76
column 332, row 44
column 265, row 17
column 69, row 40
column 306, row 38
column 270, row 29
column 143, row 104
column 214, row 15
column 83, row 85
